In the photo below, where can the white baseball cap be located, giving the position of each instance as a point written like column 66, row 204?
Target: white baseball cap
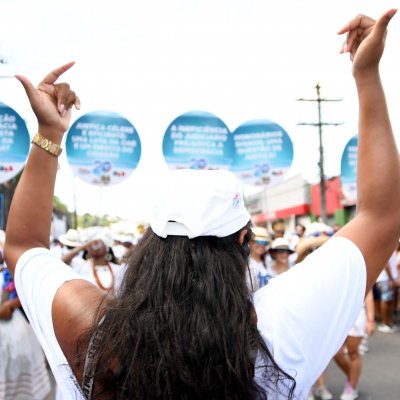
column 196, row 203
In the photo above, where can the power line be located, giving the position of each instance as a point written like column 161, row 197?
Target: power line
column 320, row 124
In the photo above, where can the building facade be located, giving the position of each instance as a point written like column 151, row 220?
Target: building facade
column 296, row 201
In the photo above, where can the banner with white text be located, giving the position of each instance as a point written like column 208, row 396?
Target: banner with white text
column 103, row 148
column 198, row 140
column 348, row 174
column 263, row 153
column 14, row 143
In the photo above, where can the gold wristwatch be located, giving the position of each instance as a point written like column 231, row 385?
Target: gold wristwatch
column 46, row 144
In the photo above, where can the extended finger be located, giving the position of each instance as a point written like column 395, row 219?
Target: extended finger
column 55, row 74
column 361, row 21
column 29, row 88
column 383, row 21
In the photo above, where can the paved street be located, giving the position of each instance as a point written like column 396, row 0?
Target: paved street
column 380, row 378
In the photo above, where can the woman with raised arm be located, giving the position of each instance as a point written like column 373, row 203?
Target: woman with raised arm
column 183, row 325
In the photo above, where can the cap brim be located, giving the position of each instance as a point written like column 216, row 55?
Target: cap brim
column 67, row 242
column 278, row 248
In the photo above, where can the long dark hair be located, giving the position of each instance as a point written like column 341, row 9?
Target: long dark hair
column 183, row 326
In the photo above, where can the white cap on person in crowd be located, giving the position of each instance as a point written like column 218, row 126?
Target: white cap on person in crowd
column 318, row 228
column 281, row 244
column 71, row 238
column 196, row 203
column 96, row 233
column 260, row 234
column 125, row 239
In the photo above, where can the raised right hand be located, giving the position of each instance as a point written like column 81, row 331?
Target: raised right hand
column 366, row 40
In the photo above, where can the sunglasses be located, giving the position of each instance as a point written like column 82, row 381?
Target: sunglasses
column 262, row 242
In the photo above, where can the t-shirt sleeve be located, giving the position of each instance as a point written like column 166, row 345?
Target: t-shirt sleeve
column 305, row 314
column 38, row 276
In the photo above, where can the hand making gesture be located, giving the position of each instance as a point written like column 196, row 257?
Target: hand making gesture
column 52, row 102
column 366, row 40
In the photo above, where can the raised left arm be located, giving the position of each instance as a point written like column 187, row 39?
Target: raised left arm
column 30, row 214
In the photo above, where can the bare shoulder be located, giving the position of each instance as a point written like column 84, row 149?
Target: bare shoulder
column 74, row 309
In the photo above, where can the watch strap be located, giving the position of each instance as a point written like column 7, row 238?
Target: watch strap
column 46, row 144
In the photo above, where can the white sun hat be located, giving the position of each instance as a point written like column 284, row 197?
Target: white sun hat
column 281, row 244
column 71, row 238
column 196, row 203
column 260, row 233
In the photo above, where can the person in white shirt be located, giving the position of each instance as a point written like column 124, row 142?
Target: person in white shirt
column 396, row 310
column 95, row 262
column 258, row 273
column 279, row 251
column 23, row 372
column 385, row 287
column 182, row 325
column 297, row 235
column 351, row 363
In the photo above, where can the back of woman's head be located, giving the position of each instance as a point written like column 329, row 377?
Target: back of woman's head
column 182, row 325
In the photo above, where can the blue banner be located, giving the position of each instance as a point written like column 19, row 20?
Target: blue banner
column 198, row 140
column 14, row 143
column 2, row 211
column 348, row 168
column 263, row 152
column 103, row 148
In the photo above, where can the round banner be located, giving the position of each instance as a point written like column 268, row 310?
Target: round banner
column 263, row 152
column 14, row 143
column 103, row 148
column 198, row 140
column 348, row 168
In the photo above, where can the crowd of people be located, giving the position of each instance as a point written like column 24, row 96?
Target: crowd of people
column 96, row 257
column 205, row 305
column 272, row 253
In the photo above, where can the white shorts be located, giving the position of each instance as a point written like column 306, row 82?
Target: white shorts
column 359, row 327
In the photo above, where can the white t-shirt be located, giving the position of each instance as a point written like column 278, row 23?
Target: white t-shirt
column 383, row 276
column 304, row 315
column 258, row 274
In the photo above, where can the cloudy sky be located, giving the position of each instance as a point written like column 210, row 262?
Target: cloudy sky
column 156, row 59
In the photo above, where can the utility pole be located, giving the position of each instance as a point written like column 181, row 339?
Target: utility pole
column 320, row 124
